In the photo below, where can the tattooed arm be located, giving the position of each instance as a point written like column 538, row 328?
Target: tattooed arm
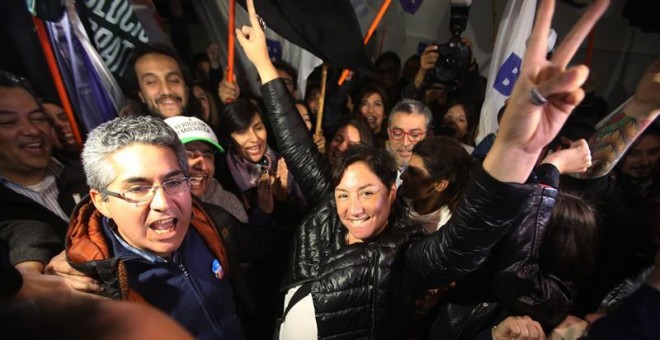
column 619, row 130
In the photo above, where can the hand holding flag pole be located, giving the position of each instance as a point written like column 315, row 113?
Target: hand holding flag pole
column 370, row 32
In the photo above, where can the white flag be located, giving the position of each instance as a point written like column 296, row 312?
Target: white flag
column 515, row 27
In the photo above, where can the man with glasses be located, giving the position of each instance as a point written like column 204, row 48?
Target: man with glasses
column 201, row 146
column 141, row 234
column 408, row 124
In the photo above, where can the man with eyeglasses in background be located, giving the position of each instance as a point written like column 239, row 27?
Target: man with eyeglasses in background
column 407, row 124
column 143, row 236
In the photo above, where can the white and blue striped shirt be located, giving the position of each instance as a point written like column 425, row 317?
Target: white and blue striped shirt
column 45, row 192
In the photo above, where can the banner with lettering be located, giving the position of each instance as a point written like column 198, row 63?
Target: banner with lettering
column 116, row 31
column 93, row 91
column 515, row 27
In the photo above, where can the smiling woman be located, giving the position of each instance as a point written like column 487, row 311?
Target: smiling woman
column 364, row 191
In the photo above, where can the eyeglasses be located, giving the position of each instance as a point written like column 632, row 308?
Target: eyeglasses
column 413, row 136
column 143, row 193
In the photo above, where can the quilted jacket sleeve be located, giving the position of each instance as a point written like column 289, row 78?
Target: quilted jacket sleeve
column 486, row 211
column 307, row 165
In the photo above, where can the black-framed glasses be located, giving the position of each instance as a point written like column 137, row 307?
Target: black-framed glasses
column 142, row 193
column 413, row 136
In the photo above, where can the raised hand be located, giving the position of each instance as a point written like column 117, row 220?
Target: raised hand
column 253, row 41
column 618, row 132
column 543, row 97
column 228, row 91
column 576, row 158
column 265, row 192
column 281, row 188
column 518, row 327
column 319, row 140
column 426, row 63
column 648, row 88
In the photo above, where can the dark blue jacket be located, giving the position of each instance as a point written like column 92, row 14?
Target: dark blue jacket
column 185, row 287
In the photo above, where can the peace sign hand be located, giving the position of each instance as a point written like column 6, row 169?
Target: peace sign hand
column 528, row 125
column 253, row 41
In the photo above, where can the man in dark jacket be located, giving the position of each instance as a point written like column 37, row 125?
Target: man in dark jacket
column 143, row 236
column 37, row 191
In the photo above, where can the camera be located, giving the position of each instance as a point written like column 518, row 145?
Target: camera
column 454, row 60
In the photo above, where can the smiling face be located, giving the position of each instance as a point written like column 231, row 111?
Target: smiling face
column 346, row 136
column 642, row 158
column 363, row 202
column 201, row 166
column 157, row 225
column 251, row 142
column 455, row 118
column 25, row 137
column 162, row 86
column 63, row 130
column 372, row 109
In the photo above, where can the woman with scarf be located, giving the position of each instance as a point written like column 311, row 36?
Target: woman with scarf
column 260, row 178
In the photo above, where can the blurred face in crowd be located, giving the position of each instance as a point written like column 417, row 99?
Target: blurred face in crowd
column 160, row 222
column 417, row 183
column 641, row 159
column 372, row 109
column 410, row 68
column 456, row 120
column 388, row 73
column 289, row 81
column 251, row 143
column 363, row 202
column 435, row 93
column 63, row 131
column 200, row 94
column 201, row 166
column 162, row 86
column 305, row 115
column 26, row 137
column 406, row 130
column 343, row 138
column 314, row 99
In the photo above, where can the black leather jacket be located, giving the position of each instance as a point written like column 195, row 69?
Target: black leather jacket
column 365, row 290
column 510, row 282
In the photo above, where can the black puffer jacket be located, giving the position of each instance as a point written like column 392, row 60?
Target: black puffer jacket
column 365, row 290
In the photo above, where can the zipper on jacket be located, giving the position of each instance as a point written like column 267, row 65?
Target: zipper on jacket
column 200, row 299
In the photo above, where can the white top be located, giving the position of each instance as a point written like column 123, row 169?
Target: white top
column 433, row 220
column 300, row 323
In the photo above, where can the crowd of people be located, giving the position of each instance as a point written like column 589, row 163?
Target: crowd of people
column 214, row 213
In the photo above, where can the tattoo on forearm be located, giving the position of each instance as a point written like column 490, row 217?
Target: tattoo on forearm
column 611, row 141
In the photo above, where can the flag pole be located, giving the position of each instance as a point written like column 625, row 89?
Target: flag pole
column 57, row 78
column 370, row 32
column 319, row 114
column 230, row 40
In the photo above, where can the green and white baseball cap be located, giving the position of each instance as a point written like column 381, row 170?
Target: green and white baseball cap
column 190, row 129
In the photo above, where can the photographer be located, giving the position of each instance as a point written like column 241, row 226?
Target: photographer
column 436, row 92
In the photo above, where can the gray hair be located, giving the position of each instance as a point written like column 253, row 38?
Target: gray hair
column 410, row 106
column 112, row 136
